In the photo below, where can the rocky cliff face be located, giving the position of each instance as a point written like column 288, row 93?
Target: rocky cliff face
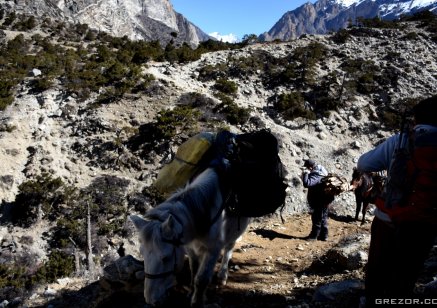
column 136, row 19
column 330, row 15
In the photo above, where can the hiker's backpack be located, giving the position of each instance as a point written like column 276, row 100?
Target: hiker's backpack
column 256, row 175
column 410, row 193
column 192, row 157
column 334, row 184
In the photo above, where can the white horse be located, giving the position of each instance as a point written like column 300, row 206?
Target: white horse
column 193, row 221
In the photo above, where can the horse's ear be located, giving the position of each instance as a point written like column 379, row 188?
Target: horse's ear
column 171, row 228
column 138, row 221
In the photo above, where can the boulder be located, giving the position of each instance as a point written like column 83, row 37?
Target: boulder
column 126, row 273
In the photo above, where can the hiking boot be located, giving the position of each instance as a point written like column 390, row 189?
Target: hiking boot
column 322, row 238
column 312, row 237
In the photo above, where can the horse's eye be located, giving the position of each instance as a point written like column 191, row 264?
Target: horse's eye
column 165, row 258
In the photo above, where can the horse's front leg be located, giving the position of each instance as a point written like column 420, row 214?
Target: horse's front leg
column 234, row 229
column 222, row 275
column 194, row 268
column 358, row 207
column 203, row 277
column 365, row 205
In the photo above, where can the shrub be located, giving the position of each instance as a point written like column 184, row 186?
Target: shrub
column 195, row 100
column 186, row 54
column 210, row 72
column 41, row 195
column 106, row 198
column 363, row 74
column 145, row 51
column 58, row 265
column 90, row 35
column 41, row 84
column 308, row 57
column 424, row 16
column 411, row 36
column 155, row 137
column 286, row 76
column 10, row 18
column 233, row 113
column 213, row 45
column 70, row 231
column 26, row 24
column 341, row 36
column 108, row 194
column 153, row 196
column 226, row 86
column 291, row 106
column 81, row 29
column 24, row 273
column 6, row 101
column 392, row 115
column 247, row 66
column 377, row 22
column 170, row 122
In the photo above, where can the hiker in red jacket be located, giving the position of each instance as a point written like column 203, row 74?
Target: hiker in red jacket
column 405, row 224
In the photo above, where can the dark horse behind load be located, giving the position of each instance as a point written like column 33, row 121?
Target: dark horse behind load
column 366, row 186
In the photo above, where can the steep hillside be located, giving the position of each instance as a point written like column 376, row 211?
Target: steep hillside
column 87, row 121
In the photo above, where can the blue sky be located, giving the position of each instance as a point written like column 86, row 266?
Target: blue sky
column 231, row 19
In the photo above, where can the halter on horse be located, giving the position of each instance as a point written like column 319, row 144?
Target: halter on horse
column 366, row 186
column 192, row 221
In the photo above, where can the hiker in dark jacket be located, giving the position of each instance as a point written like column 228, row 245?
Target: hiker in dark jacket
column 318, row 200
column 401, row 241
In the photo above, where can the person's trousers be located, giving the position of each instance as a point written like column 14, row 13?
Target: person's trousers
column 396, row 256
column 319, row 219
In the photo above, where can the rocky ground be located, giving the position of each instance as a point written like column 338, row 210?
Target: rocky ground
column 273, row 266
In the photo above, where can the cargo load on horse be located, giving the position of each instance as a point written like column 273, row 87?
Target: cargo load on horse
column 192, row 157
column 257, row 176
column 251, row 170
column 334, row 184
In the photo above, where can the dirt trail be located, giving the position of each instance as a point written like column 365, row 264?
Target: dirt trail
column 274, row 266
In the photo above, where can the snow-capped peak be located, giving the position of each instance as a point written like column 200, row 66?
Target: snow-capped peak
column 406, row 3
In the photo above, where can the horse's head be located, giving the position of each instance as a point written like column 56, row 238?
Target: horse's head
column 356, row 178
column 163, row 256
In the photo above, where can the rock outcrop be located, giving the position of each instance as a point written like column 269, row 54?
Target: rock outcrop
column 136, row 19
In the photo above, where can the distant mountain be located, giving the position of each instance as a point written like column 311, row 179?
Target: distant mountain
column 327, row 15
column 136, row 19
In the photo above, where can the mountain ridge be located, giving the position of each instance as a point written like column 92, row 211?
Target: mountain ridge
column 331, row 15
